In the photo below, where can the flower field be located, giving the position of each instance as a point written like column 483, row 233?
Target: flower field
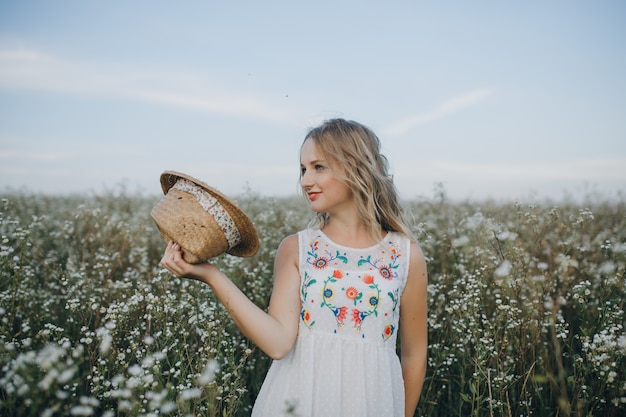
column 526, row 310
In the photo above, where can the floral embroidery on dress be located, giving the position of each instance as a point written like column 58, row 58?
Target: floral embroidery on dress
column 395, row 299
column 387, row 270
column 304, row 294
column 306, row 318
column 328, row 293
column 373, row 301
column 388, row 331
column 354, row 290
column 322, row 261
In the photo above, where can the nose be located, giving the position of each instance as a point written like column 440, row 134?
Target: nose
column 306, row 179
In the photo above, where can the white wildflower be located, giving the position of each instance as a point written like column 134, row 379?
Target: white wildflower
column 460, row 241
column 503, row 269
column 105, row 343
column 148, row 362
column 125, row 405
column 47, row 380
column 475, row 221
column 49, row 412
column 190, row 393
column 135, row 370
column 208, row 373
column 49, row 355
column 611, row 377
column 548, row 304
column 81, row 410
column 168, row 407
column 23, row 390
column 506, row 235
column 66, row 376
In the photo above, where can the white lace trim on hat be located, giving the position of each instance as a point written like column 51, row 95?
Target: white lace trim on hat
column 212, row 206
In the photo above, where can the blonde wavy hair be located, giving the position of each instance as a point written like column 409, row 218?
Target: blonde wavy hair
column 353, row 153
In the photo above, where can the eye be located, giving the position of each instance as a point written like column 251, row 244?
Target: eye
column 302, row 170
column 319, row 167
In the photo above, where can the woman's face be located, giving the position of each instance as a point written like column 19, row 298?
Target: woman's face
column 326, row 192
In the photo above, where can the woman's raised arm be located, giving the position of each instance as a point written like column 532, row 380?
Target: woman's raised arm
column 273, row 332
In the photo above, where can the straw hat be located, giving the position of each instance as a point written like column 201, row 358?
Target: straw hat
column 203, row 221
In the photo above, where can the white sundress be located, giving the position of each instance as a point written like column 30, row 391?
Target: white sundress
column 344, row 362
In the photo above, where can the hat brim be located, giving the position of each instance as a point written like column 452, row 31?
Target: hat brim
column 249, row 243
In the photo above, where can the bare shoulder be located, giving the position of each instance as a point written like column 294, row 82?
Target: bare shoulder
column 417, row 263
column 414, row 294
column 288, row 250
column 416, row 252
column 289, row 244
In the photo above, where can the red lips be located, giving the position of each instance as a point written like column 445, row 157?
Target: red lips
column 313, row 195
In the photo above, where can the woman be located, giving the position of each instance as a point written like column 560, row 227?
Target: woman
column 343, row 288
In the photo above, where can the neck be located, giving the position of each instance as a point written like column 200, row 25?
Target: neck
column 349, row 232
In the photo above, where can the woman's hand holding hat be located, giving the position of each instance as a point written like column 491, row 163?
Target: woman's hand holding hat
column 173, row 261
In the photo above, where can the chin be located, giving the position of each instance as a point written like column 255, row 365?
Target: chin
column 316, row 207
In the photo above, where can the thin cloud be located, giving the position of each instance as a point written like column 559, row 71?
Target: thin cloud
column 22, row 68
column 4, row 154
column 48, row 156
column 23, row 55
column 582, row 169
column 247, row 107
column 445, row 109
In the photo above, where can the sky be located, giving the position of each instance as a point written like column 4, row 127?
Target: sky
column 483, row 99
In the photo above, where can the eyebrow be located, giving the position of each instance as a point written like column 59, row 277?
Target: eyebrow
column 317, row 161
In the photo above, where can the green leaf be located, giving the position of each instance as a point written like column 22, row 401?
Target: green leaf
column 472, row 387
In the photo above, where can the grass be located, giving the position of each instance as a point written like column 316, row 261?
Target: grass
column 526, row 310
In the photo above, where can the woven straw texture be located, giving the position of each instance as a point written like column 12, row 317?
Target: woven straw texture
column 180, row 218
